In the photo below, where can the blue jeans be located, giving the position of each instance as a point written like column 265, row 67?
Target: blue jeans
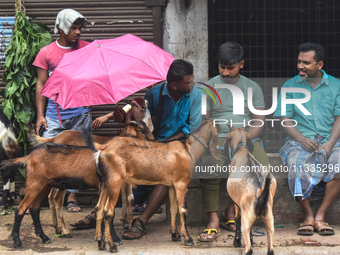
column 83, row 121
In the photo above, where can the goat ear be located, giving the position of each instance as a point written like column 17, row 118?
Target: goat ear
column 230, row 127
column 250, row 145
column 213, row 146
column 226, row 147
column 218, row 128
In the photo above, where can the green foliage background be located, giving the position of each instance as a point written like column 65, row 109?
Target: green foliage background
column 20, row 76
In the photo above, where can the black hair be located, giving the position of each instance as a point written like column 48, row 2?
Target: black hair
column 178, row 69
column 80, row 21
column 230, row 53
column 320, row 52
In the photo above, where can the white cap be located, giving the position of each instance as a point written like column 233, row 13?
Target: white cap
column 65, row 20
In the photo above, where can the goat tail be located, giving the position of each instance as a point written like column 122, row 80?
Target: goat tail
column 8, row 167
column 36, row 140
column 88, row 140
column 262, row 201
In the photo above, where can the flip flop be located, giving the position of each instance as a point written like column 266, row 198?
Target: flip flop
column 305, row 229
column 80, row 224
column 209, row 231
column 135, row 228
column 72, row 206
column 227, row 223
column 323, row 229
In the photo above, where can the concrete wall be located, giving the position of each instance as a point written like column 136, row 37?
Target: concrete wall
column 186, row 33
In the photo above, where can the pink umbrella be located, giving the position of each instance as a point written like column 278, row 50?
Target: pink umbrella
column 106, row 71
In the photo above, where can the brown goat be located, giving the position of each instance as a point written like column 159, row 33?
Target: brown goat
column 138, row 112
column 131, row 160
column 44, row 171
column 57, row 196
column 251, row 187
column 72, row 137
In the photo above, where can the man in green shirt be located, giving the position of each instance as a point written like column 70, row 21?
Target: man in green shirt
column 230, row 62
column 312, row 149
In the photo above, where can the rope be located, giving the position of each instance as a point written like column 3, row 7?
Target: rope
column 263, row 233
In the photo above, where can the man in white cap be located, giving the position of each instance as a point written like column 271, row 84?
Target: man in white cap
column 69, row 24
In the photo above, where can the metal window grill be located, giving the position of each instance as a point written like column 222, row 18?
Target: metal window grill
column 270, row 33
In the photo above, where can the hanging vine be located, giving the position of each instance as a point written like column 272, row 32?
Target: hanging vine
column 20, row 76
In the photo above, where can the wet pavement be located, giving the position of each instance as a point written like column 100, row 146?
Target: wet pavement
column 157, row 240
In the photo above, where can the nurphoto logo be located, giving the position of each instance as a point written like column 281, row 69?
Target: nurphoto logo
column 238, row 103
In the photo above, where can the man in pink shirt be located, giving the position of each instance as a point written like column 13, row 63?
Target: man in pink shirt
column 69, row 24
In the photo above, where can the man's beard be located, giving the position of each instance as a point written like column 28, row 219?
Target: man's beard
column 228, row 80
column 74, row 44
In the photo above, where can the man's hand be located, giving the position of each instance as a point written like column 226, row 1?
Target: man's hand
column 308, row 144
column 327, row 147
column 98, row 122
column 119, row 115
column 40, row 121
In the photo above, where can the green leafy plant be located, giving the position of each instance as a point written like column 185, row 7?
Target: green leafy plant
column 20, row 76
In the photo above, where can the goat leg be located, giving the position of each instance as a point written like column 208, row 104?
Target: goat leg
column 237, row 239
column 109, row 212
column 54, row 222
column 181, row 189
column 16, row 228
column 101, row 243
column 35, row 214
column 114, row 236
column 269, row 224
column 130, row 199
column 247, row 218
column 58, row 203
column 189, row 241
column 127, row 197
column 99, row 218
column 175, row 236
column 5, row 197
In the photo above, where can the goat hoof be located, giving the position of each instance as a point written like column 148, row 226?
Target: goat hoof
column 118, row 242
column 237, row 242
column 17, row 244
column 189, row 242
column 66, row 235
column 46, row 239
column 270, row 252
column 250, row 252
column 116, row 239
column 113, row 249
column 175, row 237
column 101, row 246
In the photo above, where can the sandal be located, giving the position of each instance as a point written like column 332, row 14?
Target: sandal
column 227, row 223
column 209, row 231
column 81, row 224
column 136, row 229
column 72, row 206
column 139, row 209
column 306, row 229
column 323, row 229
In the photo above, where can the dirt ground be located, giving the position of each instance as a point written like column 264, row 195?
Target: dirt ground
column 157, row 239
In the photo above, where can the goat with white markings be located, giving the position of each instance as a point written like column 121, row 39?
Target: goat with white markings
column 9, row 148
column 252, row 191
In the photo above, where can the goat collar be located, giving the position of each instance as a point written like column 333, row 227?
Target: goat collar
column 231, row 155
column 205, row 147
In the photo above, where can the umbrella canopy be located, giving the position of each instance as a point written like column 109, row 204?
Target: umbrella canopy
column 106, row 71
